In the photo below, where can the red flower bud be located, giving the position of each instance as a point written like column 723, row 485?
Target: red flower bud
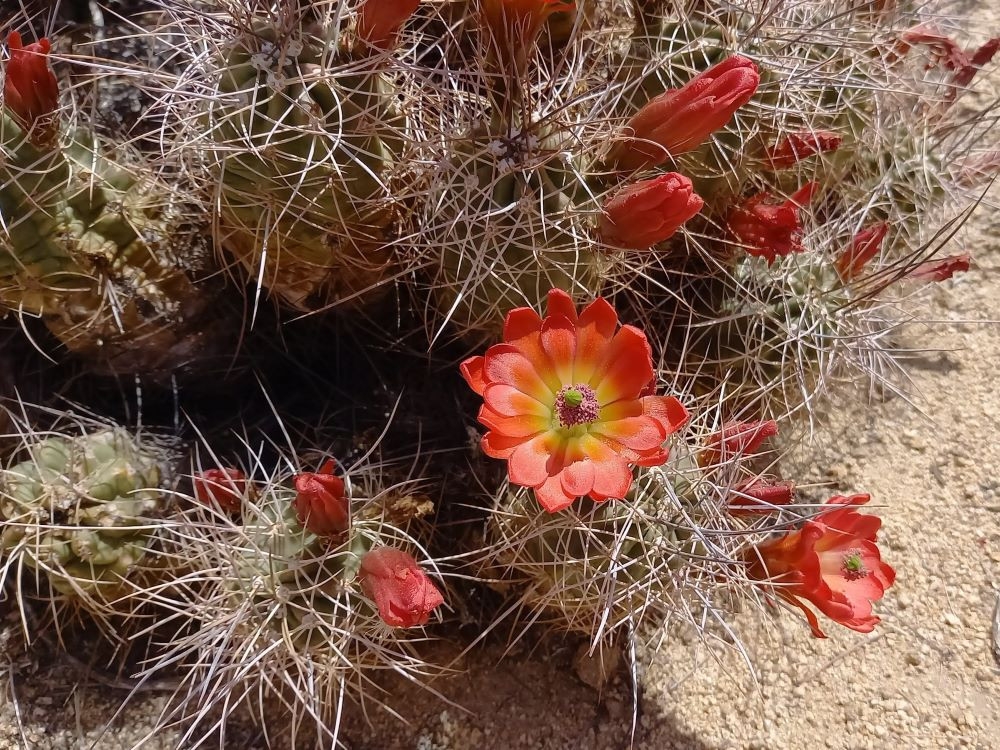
column 941, row 269
column 320, row 503
column 682, row 119
column 771, row 229
column 223, row 487
column 644, row 213
column 737, row 439
column 864, row 247
column 832, row 562
column 30, row 89
column 760, row 496
column 946, row 52
column 403, row 593
column 513, row 25
column 797, row 146
column 379, row 21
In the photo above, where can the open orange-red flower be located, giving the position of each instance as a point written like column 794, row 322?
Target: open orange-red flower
column 321, row 504
column 565, row 402
column 682, row 119
column 832, row 562
column 404, row 594
column 30, row 89
column 379, row 21
column 769, row 230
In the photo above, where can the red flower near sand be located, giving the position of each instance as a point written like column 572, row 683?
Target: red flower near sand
column 682, row 119
column 798, row 146
column 832, row 562
column 737, row 439
column 769, row 230
column 223, row 487
column 946, row 52
column 320, row 503
column 941, row 269
column 760, row 496
column 864, row 247
column 403, row 593
column 379, row 21
column 30, row 89
column 647, row 212
column 565, row 404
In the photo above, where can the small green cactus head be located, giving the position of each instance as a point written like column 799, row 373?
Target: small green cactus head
column 83, row 511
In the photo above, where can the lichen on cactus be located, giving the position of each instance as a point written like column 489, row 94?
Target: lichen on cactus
column 83, row 511
column 101, row 251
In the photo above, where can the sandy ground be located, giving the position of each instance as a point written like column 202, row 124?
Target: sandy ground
column 927, row 678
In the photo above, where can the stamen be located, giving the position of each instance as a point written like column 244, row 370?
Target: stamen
column 576, row 405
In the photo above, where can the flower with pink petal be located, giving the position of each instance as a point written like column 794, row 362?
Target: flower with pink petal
column 769, row 230
column 648, row 212
column 566, row 404
column 941, row 269
column 402, row 591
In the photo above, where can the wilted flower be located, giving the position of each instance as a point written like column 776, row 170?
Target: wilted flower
column 946, row 52
column 403, row 593
column 864, row 247
column 682, row 119
column 513, row 26
column 565, row 404
column 759, row 495
column 797, row 146
column 769, row 230
column 379, row 21
column 320, row 503
column 737, row 439
column 831, row 562
column 30, row 89
column 647, row 212
column 941, row 268
column 223, row 487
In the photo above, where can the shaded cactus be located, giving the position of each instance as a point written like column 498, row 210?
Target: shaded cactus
column 83, row 511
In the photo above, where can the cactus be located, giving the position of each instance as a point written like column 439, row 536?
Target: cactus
column 299, row 140
column 101, row 252
column 284, row 616
column 83, row 511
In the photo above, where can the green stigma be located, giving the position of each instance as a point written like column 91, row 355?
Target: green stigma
column 573, row 397
column 853, row 565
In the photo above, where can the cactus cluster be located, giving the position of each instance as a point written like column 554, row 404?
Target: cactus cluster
column 730, row 210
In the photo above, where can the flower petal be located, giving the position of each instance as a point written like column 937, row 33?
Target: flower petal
column 594, row 331
column 551, row 496
column 627, row 367
column 521, row 322
column 577, row 479
column 506, row 364
column 522, row 425
column 497, row 445
column 639, row 433
column 528, row 464
column 668, row 410
column 559, row 343
column 472, row 371
column 510, row 402
column 560, row 303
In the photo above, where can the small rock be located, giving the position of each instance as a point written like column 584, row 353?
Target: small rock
column 952, row 619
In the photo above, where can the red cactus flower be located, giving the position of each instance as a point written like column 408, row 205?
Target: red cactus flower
column 737, row 439
column 946, row 52
column 941, row 268
column 513, row 25
column 831, row 562
column 682, row 119
column 30, row 90
column 647, row 212
column 565, row 404
column 320, row 503
column 866, row 245
column 768, row 230
column 760, row 496
column 222, row 487
column 798, row 146
column 403, row 593
column 379, row 21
